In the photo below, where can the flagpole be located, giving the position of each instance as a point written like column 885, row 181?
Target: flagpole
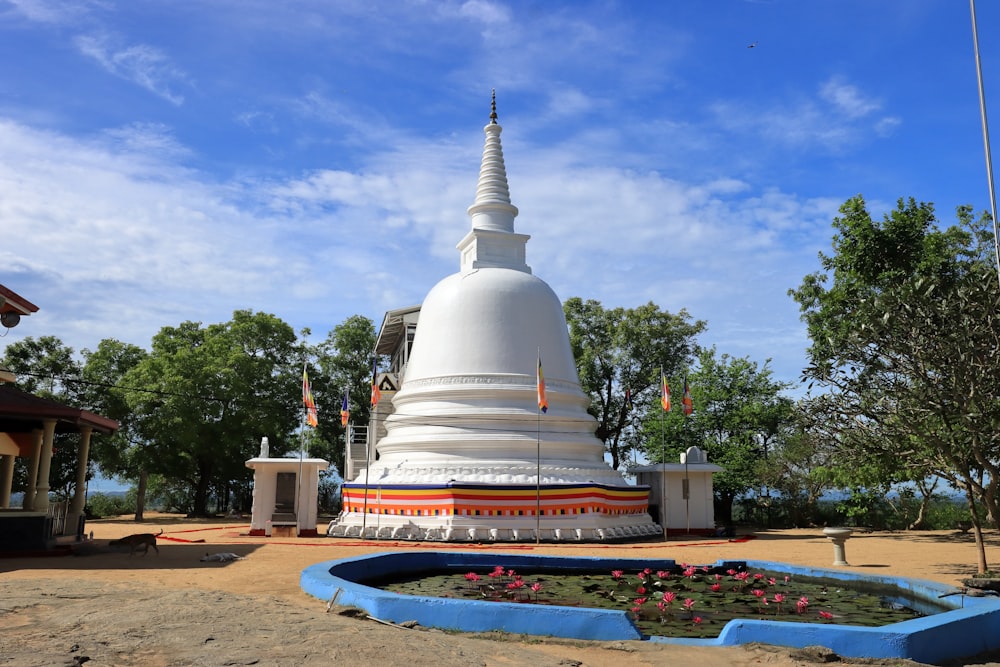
column 687, row 406
column 538, row 452
column 986, row 138
column 302, row 444
column 370, row 441
column 663, row 468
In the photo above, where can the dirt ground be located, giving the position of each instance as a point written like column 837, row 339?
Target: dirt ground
column 105, row 607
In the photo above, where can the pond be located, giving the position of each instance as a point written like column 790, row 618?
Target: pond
column 677, row 600
column 967, row 627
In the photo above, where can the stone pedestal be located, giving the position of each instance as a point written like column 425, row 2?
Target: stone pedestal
column 838, row 536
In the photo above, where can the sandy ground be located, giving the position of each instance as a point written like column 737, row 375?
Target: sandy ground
column 105, row 607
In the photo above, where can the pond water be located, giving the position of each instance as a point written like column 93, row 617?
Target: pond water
column 679, row 601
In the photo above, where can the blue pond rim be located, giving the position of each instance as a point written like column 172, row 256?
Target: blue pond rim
column 970, row 628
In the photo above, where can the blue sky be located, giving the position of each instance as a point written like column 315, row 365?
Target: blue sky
column 170, row 161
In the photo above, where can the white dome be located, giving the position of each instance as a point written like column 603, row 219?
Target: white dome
column 491, row 321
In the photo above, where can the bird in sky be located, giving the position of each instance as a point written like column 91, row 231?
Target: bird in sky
column 750, row 46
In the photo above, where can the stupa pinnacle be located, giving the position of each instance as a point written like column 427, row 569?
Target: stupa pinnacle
column 466, row 453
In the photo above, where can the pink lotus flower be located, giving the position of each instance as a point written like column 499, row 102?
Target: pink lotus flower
column 616, row 574
column 718, row 577
column 663, row 574
column 731, row 572
column 716, row 588
column 640, row 590
column 688, row 603
column 696, row 620
column 669, row 597
column 758, row 576
column 825, row 615
column 471, row 576
column 690, row 572
column 642, row 576
column 516, row 584
column 772, row 581
column 661, row 605
column 640, row 601
column 779, row 598
column 759, row 593
column 787, row 579
column 537, row 586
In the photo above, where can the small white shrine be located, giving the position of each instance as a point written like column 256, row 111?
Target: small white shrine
column 285, row 495
column 681, row 493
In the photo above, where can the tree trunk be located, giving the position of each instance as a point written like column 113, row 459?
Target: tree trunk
column 926, row 495
column 140, row 494
column 978, row 532
column 200, row 507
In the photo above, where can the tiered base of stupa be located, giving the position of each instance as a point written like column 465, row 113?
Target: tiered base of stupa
column 517, row 509
column 456, row 512
column 468, row 461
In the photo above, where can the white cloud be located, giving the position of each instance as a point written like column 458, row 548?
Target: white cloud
column 52, row 11
column 141, row 64
column 140, row 242
column 484, row 12
column 847, row 99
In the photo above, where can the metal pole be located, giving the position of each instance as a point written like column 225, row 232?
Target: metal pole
column 538, row 476
column 986, row 138
column 663, row 475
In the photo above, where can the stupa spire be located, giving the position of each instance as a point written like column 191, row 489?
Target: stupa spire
column 492, row 243
column 492, row 208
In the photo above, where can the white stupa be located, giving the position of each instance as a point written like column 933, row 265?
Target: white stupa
column 467, row 453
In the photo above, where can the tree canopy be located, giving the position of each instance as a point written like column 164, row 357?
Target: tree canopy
column 740, row 418
column 204, row 397
column 622, row 350
column 905, row 332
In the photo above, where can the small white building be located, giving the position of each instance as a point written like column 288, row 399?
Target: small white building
column 687, row 487
column 285, row 495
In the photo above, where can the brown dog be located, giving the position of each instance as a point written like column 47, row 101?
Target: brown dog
column 143, row 540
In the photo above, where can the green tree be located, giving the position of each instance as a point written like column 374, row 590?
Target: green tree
column 125, row 454
column 203, row 398
column 906, row 354
column 740, row 419
column 623, row 349
column 47, row 367
column 345, row 364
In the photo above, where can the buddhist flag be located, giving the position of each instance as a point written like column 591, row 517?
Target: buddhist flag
column 664, row 392
column 376, row 394
column 312, row 417
column 686, row 402
column 345, row 413
column 628, row 399
column 543, row 402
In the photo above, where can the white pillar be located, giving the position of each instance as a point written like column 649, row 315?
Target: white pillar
column 41, row 503
column 6, row 480
column 36, row 454
column 80, row 490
